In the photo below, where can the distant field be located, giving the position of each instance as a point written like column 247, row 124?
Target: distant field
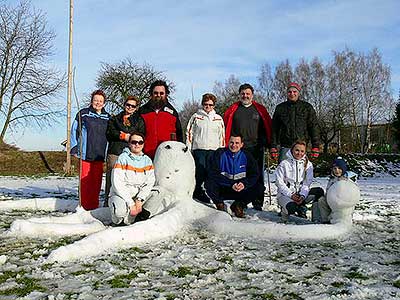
column 17, row 162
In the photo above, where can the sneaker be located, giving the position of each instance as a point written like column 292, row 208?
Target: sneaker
column 237, row 210
column 220, row 206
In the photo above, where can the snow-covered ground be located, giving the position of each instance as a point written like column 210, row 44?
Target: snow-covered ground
column 198, row 264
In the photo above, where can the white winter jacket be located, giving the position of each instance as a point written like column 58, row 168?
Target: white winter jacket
column 294, row 176
column 205, row 131
column 132, row 176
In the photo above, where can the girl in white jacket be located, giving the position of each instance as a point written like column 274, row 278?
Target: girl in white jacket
column 294, row 176
column 205, row 133
column 132, row 179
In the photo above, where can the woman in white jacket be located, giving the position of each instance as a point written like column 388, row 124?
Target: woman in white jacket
column 294, row 176
column 205, row 133
column 132, row 179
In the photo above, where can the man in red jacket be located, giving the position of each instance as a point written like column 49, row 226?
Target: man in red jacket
column 161, row 119
column 251, row 120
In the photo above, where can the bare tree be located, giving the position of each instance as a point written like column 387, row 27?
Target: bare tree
column 376, row 99
column 283, row 76
column 127, row 78
column 226, row 93
column 268, row 95
column 28, row 85
column 188, row 109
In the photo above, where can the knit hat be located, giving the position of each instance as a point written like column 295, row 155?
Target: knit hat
column 295, row 85
column 340, row 163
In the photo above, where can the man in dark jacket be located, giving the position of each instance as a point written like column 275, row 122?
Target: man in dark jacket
column 294, row 120
column 160, row 118
column 233, row 174
column 252, row 121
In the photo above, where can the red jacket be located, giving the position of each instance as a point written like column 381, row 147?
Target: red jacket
column 161, row 126
column 228, row 118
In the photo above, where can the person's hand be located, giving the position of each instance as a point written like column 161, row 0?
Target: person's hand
column 298, row 199
column 314, row 153
column 237, row 187
column 125, row 136
column 274, row 153
column 136, row 207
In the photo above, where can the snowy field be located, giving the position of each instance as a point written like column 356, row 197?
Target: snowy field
column 201, row 265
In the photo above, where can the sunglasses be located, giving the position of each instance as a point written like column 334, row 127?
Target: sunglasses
column 130, row 105
column 134, row 142
column 206, row 104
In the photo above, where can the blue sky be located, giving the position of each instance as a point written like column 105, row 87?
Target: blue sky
column 199, row 42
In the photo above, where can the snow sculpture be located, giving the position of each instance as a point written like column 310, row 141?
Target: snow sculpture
column 342, row 197
column 173, row 211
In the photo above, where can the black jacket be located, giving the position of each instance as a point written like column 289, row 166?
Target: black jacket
column 292, row 121
column 116, row 124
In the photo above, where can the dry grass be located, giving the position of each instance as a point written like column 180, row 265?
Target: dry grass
column 18, row 162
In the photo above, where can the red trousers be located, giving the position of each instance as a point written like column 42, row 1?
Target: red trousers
column 90, row 178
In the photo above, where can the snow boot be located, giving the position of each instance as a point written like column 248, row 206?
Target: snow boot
column 237, row 210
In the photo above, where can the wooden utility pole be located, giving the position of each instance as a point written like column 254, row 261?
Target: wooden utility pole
column 68, row 169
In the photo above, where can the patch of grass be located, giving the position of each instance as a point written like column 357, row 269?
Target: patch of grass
column 294, row 296
column 209, row 271
column 324, row 268
column 338, row 284
column 226, row 259
column 170, row 296
column 356, row 275
column 264, row 296
column 397, row 284
column 312, row 275
column 27, row 285
column 6, row 275
column 181, row 272
column 123, row 280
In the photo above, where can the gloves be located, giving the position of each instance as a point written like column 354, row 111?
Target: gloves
column 314, row 153
column 274, row 153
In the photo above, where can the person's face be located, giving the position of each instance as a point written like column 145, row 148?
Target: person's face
column 298, row 151
column 235, row 144
column 159, row 93
column 293, row 94
column 130, row 107
column 136, row 144
column 246, row 96
column 98, row 102
column 337, row 171
column 208, row 106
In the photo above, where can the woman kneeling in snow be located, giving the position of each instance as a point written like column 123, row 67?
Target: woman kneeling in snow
column 294, row 176
column 132, row 180
column 339, row 172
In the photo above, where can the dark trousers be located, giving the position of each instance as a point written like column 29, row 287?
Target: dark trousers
column 201, row 158
column 218, row 193
column 258, row 154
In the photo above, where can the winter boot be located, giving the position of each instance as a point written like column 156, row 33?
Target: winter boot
column 237, row 210
column 142, row 216
column 301, row 212
column 221, row 206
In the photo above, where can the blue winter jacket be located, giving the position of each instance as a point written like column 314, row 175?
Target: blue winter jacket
column 228, row 168
column 94, row 141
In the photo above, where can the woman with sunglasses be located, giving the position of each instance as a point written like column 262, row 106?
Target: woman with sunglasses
column 205, row 133
column 119, row 129
column 132, row 179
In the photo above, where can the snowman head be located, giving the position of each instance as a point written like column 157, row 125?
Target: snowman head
column 174, row 168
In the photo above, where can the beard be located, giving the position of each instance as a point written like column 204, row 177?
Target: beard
column 157, row 102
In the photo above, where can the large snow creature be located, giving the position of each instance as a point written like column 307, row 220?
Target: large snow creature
column 173, row 211
column 342, row 197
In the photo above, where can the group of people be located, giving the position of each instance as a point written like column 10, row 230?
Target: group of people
column 228, row 152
